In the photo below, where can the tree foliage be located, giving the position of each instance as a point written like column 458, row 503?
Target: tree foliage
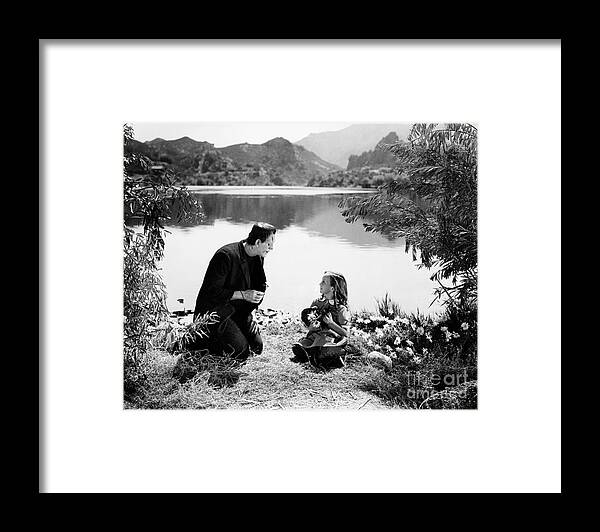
column 432, row 205
column 149, row 199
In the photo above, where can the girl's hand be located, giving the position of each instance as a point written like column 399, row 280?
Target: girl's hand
column 313, row 327
column 327, row 319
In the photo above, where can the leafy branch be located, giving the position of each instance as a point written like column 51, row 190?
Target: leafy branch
column 432, row 204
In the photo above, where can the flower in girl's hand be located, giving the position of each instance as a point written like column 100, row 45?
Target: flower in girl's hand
column 312, row 317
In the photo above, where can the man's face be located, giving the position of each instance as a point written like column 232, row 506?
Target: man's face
column 266, row 246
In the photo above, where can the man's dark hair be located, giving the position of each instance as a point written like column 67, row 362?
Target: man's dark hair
column 260, row 231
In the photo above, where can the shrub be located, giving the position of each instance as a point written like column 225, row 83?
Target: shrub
column 432, row 205
column 433, row 357
column 144, row 306
column 149, row 198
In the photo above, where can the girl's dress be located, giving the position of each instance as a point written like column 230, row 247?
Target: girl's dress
column 324, row 344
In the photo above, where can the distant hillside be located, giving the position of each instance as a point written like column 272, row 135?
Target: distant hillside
column 337, row 146
column 370, row 169
column 377, row 157
column 277, row 162
column 294, row 162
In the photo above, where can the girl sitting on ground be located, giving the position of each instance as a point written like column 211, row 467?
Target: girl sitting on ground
column 327, row 320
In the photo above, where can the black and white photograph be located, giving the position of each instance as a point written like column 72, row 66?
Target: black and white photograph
column 300, row 265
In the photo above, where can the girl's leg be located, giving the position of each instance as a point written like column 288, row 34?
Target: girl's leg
column 300, row 354
column 314, row 355
column 326, row 358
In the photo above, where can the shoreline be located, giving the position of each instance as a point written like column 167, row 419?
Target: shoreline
column 262, row 316
column 280, row 188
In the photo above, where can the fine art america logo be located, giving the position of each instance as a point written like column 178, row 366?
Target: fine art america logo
column 423, row 385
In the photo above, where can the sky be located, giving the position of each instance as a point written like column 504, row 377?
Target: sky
column 223, row 134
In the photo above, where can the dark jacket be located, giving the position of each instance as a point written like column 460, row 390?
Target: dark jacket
column 228, row 271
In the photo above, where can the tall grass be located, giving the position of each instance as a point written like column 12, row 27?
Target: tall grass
column 388, row 308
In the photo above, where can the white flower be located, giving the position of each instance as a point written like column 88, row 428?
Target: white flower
column 369, row 342
column 465, row 326
column 397, row 341
column 398, row 350
column 409, row 342
column 444, row 329
column 428, row 336
column 379, row 333
column 420, row 330
column 410, row 351
column 405, row 321
column 416, row 359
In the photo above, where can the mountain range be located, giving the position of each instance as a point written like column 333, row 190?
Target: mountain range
column 337, row 146
column 276, row 161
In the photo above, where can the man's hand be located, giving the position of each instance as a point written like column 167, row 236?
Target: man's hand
column 252, row 296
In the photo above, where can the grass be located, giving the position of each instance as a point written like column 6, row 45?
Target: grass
column 266, row 381
column 433, row 364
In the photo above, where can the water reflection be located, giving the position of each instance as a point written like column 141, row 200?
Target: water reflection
column 319, row 214
column 312, row 237
column 281, row 211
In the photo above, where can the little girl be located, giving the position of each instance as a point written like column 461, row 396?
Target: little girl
column 327, row 320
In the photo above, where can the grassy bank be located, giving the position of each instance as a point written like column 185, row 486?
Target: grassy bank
column 425, row 363
column 268, row 380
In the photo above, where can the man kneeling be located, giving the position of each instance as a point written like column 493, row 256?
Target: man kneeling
column 234, row 285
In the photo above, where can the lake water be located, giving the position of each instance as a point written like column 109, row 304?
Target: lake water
column 312, row 236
